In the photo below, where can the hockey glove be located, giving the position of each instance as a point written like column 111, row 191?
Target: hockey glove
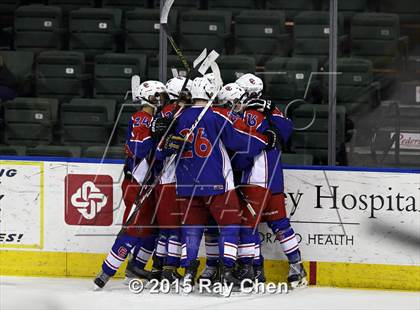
column 173, row 144
column 265, row 106
column 272, row 139
column 160, row 126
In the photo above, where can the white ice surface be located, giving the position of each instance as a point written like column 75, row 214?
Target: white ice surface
column 55, row 293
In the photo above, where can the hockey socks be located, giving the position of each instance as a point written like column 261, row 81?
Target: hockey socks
column 174, row 247
column 228, row 244
column 212, row 246
column 191, row 243
column 258, row 257
column 246, row 248
column 119, row 252
column 285, row 234
column 143, row 250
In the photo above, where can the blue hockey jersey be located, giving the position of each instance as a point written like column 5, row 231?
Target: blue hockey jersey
column 139, row 145
column 265, row 169
column 205, row 169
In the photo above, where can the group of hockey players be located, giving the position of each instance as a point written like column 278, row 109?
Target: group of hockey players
column 194, row 170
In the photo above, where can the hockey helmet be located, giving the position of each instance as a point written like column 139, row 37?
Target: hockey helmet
column 174, row 87
column 232, row 96
column 204, row 87
column 252, row 84
column 151, row 93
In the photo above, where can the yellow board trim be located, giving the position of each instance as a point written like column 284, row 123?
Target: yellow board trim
column 64, row 264
column 41, row 206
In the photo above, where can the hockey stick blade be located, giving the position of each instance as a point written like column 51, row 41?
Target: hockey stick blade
column 135, row 85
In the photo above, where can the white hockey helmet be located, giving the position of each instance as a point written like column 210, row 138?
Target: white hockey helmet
column 174, row 86
column 252, row 84
column 232, row 95
column 204, row 87
column 151, row 93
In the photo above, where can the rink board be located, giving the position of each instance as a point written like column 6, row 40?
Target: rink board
column 356, row 227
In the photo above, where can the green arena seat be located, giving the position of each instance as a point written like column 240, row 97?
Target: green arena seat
column 20, row 64
column 94, row 31
column 288, row 78
column 376, row 36
column 173, row 63
column 182, row 4
column 125, row 5
column 113, row 74
column 356, row 89
column 142, row 30
column 234, row 6
column 112, row 152
column 54, row 151
column 314, row 140
column 407, row 10
column 30, row 121
column 199, row 29
column 291, row 8
column 233, row 67
column 38, row 28
column 71, row 5
column 61, row 75
column 12, row 150
column 261, row 34
column 312, row 34
column 297, row 159
column 125, row 111
column 87, row 121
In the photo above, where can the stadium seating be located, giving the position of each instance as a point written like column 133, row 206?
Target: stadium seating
column 173, row 63
column 113, row 74
column 234, row 6
column 288, row 78
column 200, row 29
column 233, row 67
column 314, row 140
column 348, row 9
column 142, row 30
column 7, row 10
column 291, row 8
column 38, row 27
column 125, row 5
column 61, row 75
column 356, row 89
column 376, row 36
column 182, row 4
column 94, row 31
column 407, row 10
column 311, row 35
column 87, row 121
column 30, row 121
column 12, row 150
column 125, row 111
column 261, row 34
column 54, row 151
column 112, row 152
column 20, row 64
column 71, row 5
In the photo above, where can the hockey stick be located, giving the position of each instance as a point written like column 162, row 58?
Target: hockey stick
column 164, row 24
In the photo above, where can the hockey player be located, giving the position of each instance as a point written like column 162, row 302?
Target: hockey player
column 137, row 231
column 204, row 182
column 230, row 98
column 168, row 249
column 263, row 187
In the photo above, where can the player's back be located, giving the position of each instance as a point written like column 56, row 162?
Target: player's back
column 203, row 170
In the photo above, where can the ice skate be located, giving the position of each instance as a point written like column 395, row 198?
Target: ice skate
column 259, row 274
column 297, row 276
column 211, row 273
column 170, row 273
column 101, row 279
column 190, row 274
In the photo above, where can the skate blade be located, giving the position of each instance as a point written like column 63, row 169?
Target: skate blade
column 97, row 288
column 298, row 284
